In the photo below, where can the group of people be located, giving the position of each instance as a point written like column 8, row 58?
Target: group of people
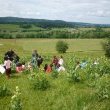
column 56, row 64
column 11, row 58
column 84, row 63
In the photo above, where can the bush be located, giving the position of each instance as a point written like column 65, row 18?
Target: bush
column 61, row 46
column 73, row 76
column 103, row 88
column 106, row 47
column 40, row 82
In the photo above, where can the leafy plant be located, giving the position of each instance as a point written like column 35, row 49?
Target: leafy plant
column 106, row 47
column 16, row 101
column 40, row 82
column 73, row 76
column 103, row 88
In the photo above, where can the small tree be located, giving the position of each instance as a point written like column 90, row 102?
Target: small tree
column 61, row 46
column 106, row 47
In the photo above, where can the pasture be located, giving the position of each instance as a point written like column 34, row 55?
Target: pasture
column 48, row 45
column 91, row 90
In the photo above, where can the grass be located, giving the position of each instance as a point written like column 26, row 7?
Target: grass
column 48, row 45
column 62, row 95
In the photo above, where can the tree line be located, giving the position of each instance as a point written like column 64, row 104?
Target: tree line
column 96, row 33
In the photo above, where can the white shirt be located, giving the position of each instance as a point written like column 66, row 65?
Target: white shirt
column 60, row 61
column 7, row 64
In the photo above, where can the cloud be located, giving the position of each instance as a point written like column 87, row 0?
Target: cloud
column 70, row 10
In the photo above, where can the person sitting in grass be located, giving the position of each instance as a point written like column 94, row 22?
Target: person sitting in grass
column 39, row 61
column 48, row 68
column 23, row 66
column 77, row 65
column 61, row 61
column 83, row 64
column 60, row 68
column 19, row 68
column 34, row 58
column 55, row 62
column 60, row 64
column 96, row 62
column 7, row 65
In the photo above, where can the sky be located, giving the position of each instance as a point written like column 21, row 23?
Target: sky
column 89, row 11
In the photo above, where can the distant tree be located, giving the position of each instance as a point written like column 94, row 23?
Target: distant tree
column 106, row 47
column 61, row 46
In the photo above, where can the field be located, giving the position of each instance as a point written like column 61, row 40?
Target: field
column 69, row 90
column 48, row 45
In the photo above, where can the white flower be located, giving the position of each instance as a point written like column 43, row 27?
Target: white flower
column 17, row 88
column 14, row 96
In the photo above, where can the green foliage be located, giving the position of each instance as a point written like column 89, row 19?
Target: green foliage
column 29, row 30
column 16, row 101
column 4, row 91
column 40, row 81
column 73, row 76
column 103, row 88
column 55, row 74
column 61, row 46
column 106, row 47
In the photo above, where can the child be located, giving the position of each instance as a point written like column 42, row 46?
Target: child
column 39, row 61
column 48, row 68
column 19, row 68
column 77, row 65
column 61, row 61
column 7, row 65
column 61, row 68
column 55, row 61
column 23, row 66
column 34, row 58
column 83, row 64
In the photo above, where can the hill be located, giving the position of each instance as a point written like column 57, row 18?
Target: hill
column 48, row 23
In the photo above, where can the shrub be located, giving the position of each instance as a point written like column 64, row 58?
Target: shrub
column 106, row 47
column 61, row 46
column 73, row 76
column 103, row 88
column 40, row 82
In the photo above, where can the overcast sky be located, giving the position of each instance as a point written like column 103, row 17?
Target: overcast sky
column 90, row 11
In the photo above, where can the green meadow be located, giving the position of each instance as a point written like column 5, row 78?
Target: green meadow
column 48, row 45
column 62, row 94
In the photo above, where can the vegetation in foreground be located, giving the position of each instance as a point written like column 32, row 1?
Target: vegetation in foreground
column 83, row 89
column 87, row 88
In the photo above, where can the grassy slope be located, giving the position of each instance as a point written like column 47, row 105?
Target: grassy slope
column 61, row 95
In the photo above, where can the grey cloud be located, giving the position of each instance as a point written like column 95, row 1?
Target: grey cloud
column 70, row 10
